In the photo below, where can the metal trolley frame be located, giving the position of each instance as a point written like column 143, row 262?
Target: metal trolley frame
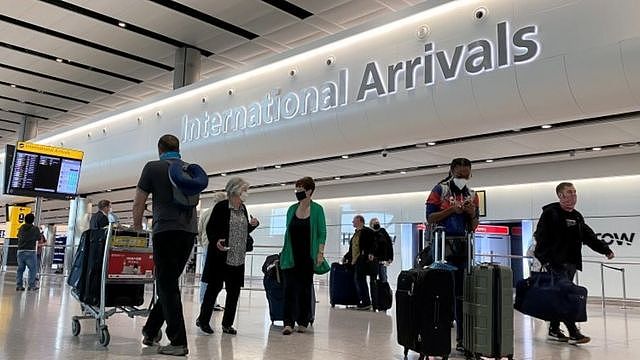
column 101, row 312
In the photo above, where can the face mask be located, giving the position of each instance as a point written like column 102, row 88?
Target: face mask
column 244, row 196
column 376, row 226
column 460, row 182
column 301, row 195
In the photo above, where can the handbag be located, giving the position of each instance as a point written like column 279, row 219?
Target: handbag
column 563, row 300
column 322, row 268
column 249, row 243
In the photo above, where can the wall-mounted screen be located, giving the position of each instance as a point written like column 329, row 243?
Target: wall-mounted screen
column 47, row 171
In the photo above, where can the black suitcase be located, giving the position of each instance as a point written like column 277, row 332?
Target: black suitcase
column 383, row 299
column 274, row 289
column 424, row 308
column 342, row 287
column 78, row 271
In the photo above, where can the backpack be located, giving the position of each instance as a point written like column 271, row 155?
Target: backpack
column 187, row 182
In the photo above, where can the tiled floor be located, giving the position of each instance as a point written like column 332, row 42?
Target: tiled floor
column 38, row 326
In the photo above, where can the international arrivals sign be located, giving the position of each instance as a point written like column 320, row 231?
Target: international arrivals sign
column 474, row 58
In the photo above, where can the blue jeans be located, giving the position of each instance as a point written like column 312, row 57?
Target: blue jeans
column 203, row 285
column 26, row 258
column 360, row 279
column 382, row 273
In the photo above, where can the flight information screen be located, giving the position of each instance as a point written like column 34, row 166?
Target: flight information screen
column 37, row 174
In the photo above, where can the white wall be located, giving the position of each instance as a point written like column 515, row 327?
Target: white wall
column 610, row 204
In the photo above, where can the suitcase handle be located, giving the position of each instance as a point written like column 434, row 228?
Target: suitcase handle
column 439, row 239
column 471, row 242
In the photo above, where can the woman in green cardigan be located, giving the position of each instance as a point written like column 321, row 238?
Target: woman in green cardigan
column 302, row 255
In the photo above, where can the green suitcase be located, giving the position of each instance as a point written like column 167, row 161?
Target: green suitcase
column 488, row 311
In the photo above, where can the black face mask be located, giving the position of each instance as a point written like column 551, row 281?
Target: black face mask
column 301, row 195
column 376, row 226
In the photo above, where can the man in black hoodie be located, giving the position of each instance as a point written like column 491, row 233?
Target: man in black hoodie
column 560, row 233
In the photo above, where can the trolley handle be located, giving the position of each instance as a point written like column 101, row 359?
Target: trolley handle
column 470, row 250
column 439, row 244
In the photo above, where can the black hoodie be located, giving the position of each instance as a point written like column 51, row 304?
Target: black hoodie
column 560, row 235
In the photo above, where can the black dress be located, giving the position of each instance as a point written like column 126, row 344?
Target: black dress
column 300, row 231
column 299, row 279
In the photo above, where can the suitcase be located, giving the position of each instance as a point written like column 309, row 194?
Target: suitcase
column 77, row 274
column 424, row 309
column 342, row 287
column 487, row 310
column 274, row 290
column 383, row 299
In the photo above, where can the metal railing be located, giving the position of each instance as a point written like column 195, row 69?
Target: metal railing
column 602, row 265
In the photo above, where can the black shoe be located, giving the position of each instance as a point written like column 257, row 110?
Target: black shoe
column 578, row 338
column 217, row 307
column 206, row 328
column 557, row 335
column 19, row 288
column 175, row 350
column 364, row 307
column 35, row 288
column 151, row 341
column 460, row 347
column 229, row 330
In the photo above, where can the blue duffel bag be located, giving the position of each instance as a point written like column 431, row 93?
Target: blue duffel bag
column 551, row 296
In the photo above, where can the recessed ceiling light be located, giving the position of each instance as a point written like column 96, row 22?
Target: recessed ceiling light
column 121, row 24
column 278, row 166
column 403, row 172
column 223, row 174
column 546, row 126
column 59, row 60
column 489, row 160
column 431, row 143
column 283, row 184
column 108, row 190
column 597, row 148
column 13, row 85
column 336, row 178
column 345, row 156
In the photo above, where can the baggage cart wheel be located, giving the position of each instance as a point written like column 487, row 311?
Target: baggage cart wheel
column 105, row 338
column 75, row 326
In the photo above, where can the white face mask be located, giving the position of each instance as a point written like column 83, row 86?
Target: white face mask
column 460, row 182
column 244, row 196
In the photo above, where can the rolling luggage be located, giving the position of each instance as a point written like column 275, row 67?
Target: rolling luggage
column 383, row 298
column 424, row 309
column 487, row 309
column 274, row 289
column 342, row 287
column 77, row 274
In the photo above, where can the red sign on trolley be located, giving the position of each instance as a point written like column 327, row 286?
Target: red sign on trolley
column 134, row 265
column 492, row 229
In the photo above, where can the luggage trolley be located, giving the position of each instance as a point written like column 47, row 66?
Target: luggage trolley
column 127, row 259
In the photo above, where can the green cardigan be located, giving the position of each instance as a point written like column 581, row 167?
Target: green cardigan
column 318, row 236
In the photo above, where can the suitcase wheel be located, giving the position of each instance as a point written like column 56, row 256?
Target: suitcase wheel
column 75, row 326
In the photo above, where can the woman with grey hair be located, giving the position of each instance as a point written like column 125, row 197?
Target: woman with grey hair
column 228, row 232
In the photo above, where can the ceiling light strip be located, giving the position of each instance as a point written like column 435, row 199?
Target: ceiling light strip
column 125, row 25
column 84, row 42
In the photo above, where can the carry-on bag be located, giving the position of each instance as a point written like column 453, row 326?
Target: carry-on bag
column 274, row 289
column 424, row 307
column 342, row 287
column 563, row 300
column 487, row 309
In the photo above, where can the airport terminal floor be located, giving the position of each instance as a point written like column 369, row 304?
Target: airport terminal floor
column 37, row 325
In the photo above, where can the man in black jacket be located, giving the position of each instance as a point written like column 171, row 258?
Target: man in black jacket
column 100, row 218
column 361, row 255
column 560, row 233
column 28, row 235
column 384, row 248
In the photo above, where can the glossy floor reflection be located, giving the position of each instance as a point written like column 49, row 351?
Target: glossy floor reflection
column 37, row 325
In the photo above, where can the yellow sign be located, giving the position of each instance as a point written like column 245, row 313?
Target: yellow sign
column 16, row 219
column 50, row 150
